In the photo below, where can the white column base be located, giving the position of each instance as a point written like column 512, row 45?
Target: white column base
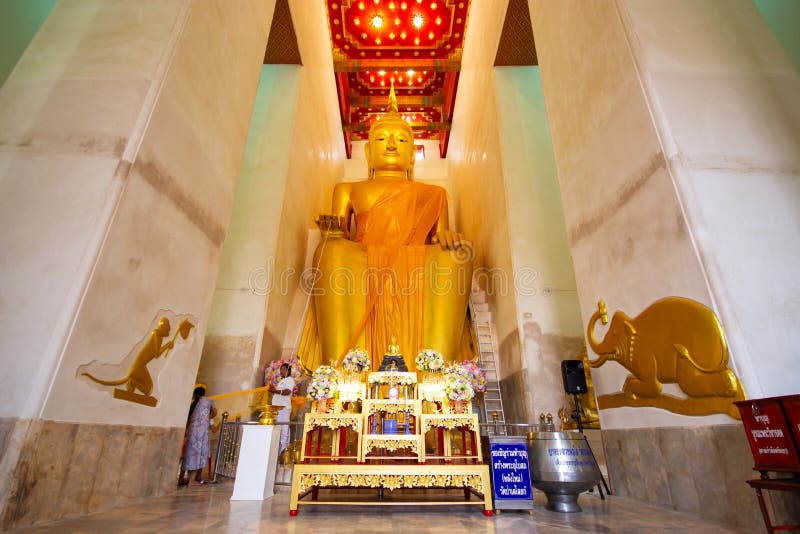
column 258, row 458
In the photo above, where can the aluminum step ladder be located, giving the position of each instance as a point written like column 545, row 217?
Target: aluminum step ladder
column 486, row 348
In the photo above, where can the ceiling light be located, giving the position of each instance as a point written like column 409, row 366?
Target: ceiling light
column 410, row 72
column 403, row 5
column 377, row 21
column 430, row 35
column 391, row 35
column 382, row 72
column 417, row 21
column 433, row 5
column 356, row 21
column 438, row 21
column 391, row 6
column 377, row 40
column 416, row 40
column 402, row 34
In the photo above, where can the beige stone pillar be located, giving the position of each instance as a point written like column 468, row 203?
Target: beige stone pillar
column 548, row 315
column 122, row 133
column 502, row 162
column 675, row 128
column 295, row 154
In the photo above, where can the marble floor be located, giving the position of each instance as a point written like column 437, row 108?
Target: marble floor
column 208, row 509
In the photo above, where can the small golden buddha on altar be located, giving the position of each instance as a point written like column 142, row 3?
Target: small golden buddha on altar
column 389, row 267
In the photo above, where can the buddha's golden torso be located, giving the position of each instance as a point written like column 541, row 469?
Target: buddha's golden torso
column 393, row 212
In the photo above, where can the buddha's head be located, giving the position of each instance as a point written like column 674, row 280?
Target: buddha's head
column 391, row 143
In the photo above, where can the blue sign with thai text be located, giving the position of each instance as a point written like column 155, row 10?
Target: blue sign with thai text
column 510, row 471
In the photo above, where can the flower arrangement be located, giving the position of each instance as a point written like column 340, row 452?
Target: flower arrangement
column 323, row 383
column 456, row 369
column 458, row 388
column 429, row 360
column 475, row 375
column 356, row 361
column 272, row 372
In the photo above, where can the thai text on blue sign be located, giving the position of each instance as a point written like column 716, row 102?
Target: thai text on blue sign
column 510, row 472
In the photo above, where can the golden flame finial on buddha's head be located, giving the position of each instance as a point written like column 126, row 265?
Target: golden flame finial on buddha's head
column 391, row 107
column 392, row 117
column 391, row 125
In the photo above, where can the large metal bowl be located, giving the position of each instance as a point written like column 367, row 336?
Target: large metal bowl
column 562, row 466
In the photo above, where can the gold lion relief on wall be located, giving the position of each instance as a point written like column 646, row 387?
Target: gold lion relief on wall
column 675, row 340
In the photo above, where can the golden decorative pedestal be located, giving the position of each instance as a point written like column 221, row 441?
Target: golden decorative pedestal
column 389, row 460
column 308, row 479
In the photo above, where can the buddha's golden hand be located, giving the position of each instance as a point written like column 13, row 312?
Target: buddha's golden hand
column 331, row 225
column 449, row 240
column 461, row 250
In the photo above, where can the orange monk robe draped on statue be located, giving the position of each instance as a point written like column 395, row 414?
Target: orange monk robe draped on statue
column 394, row 232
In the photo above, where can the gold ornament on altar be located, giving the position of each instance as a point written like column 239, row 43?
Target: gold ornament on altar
column 268, row 413
column 674, row 340
column 394, row 348
column 382, row 242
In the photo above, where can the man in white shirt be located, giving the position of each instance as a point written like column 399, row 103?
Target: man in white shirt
column 282, row 396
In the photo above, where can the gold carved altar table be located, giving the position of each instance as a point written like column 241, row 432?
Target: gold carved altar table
column 339, row 424
column 445, row 425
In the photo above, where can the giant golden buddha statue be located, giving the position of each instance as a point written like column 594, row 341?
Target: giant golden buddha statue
column 388, row 266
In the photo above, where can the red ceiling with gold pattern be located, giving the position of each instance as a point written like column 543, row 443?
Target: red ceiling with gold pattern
column 416, row 44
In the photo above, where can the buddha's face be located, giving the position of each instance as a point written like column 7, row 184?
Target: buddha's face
column 390, row 148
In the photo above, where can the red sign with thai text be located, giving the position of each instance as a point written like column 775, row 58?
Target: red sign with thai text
column 769, row 435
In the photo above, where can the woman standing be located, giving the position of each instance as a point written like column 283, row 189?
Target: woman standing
column 197, row 440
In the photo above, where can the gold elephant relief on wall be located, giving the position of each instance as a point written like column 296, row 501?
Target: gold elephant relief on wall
column 675, row 340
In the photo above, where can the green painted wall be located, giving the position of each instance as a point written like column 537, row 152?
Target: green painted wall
column 783, row 16
column 19, row 22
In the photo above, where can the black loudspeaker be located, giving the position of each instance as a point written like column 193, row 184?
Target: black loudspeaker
column 574, row 379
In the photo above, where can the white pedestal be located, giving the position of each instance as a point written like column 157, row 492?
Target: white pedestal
column 258, row 458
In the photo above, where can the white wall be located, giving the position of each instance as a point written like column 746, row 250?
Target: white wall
column 674, row 126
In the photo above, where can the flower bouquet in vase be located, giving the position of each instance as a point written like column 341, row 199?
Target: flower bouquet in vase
column 476, row 376
column 356, row 361
column 458, row 388
column 431, row 363
column 323, row 386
